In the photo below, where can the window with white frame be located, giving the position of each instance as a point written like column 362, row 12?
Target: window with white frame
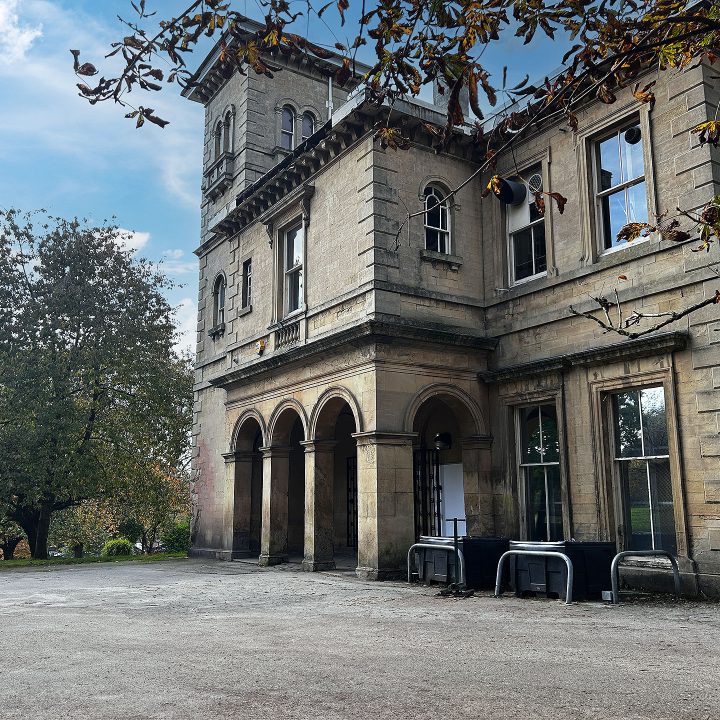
column 219, row 302
column 437, row 220
column 293, row 239
column 308, row 126
column 287, row 128
column 526, row 233
column 247, row 283
column 539, row 460
column 621, row 193
column 643, row 469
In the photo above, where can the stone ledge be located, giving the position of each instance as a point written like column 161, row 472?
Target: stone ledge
column 627, row 350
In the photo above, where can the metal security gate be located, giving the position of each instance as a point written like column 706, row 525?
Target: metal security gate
column 352, row 502
column 428, row 492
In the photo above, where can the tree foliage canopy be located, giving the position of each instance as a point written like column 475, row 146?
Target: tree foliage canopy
column 91, row 386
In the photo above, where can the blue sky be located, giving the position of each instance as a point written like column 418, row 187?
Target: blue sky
column 59, row 153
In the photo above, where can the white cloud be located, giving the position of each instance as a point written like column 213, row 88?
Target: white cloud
column 15, row 38
column 186, row 322
column 173, row 254
column 175, row 267
column 97, row 138
column 132, row 240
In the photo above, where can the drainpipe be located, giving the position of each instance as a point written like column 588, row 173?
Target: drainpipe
column 329, row 102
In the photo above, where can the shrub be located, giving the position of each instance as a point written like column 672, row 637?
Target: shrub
column 117, row 547
column 177, row 538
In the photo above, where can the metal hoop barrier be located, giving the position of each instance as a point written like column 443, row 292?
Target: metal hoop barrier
column 615, row 569
column 428, row 546
column 544, row 553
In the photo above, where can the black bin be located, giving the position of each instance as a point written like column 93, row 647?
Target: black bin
column 481, row 555
column 540, row 574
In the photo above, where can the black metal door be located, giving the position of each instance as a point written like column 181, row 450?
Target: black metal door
column 428, row 492
column 352, row 502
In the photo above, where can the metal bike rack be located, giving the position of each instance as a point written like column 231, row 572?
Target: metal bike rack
column 615, row 569
column 544, row 553
column 428, row 546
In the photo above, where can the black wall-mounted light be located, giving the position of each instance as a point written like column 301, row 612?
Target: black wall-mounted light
column 443, row 441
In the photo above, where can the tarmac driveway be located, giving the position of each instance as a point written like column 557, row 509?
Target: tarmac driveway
column 196, row 639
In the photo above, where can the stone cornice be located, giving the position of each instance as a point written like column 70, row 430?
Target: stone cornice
column 367, row 331
column 627, row 350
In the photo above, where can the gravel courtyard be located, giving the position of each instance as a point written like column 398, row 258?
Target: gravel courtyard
column 194, row 639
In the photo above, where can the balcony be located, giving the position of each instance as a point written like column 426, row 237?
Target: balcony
column 287, row 335
column 219, row 175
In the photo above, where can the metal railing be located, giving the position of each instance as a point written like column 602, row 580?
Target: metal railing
column 459, row 576
column 615, row 569
column 287, row 335
column 544, row 553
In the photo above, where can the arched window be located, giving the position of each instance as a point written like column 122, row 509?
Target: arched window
column 219, row 302
column 218, row 138
column 287, row 128
column 308, row 126
column 227, row 135
column 437, row 220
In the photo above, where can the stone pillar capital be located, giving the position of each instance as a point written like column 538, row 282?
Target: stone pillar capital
column 275, row 451
column 238, row 456
column 319, row 445
column 378, row 437
column 476, row 442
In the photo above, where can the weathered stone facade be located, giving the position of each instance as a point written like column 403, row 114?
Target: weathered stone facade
column 305, row 418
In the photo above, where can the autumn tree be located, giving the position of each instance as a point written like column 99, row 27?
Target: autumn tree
column 91, row 384
column 410, row 44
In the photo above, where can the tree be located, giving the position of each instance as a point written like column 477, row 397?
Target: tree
column 84, row 527
column 150, row 502
column 413, row 43
column 11, row 535
column 90, row 382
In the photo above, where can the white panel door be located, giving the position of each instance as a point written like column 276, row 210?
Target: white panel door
column 453, row 497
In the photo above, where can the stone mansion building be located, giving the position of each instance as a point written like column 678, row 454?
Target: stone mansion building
column 352, row 395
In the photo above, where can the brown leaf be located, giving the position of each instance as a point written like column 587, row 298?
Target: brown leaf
column 622, row 277
column 709, row 132
column 634, row 230
column 342, row 6
column 540, row 203
column 645, row 95
column 606, row 95
column 559, row 199
column 87, row 69
column 343, row 73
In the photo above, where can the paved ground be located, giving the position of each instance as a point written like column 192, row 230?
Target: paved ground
column 192, row 639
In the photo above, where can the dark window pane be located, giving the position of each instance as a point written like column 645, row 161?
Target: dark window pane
column 539, row 247
column 633, row 474
column 523, row 254
column 537, row 504
column 293, row 247
column 652, row 403
column 294, row 289
column 554, row 502
column 609, row 152
column 432, row 239
column 662, row 504
column 628, row 439
column 550, row 439
column 288, row 120
column 530, row 435
column 308, row 126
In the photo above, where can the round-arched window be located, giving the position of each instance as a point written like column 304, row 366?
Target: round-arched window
column 437, row 220
column 308, row 126
column 287, row 128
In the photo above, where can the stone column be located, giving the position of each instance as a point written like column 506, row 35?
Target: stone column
column 476, row 459
column 386, row 510
column 238, row 483
column 319, row 526
column 273, row 542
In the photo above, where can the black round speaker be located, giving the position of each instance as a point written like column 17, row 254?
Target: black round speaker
column 633, row 135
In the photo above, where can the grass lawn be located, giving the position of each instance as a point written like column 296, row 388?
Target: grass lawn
column 12, row 564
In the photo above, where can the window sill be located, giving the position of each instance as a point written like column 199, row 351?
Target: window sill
column 217, row 331
column 244, row 311
column 454, row 262
column 529, row 279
